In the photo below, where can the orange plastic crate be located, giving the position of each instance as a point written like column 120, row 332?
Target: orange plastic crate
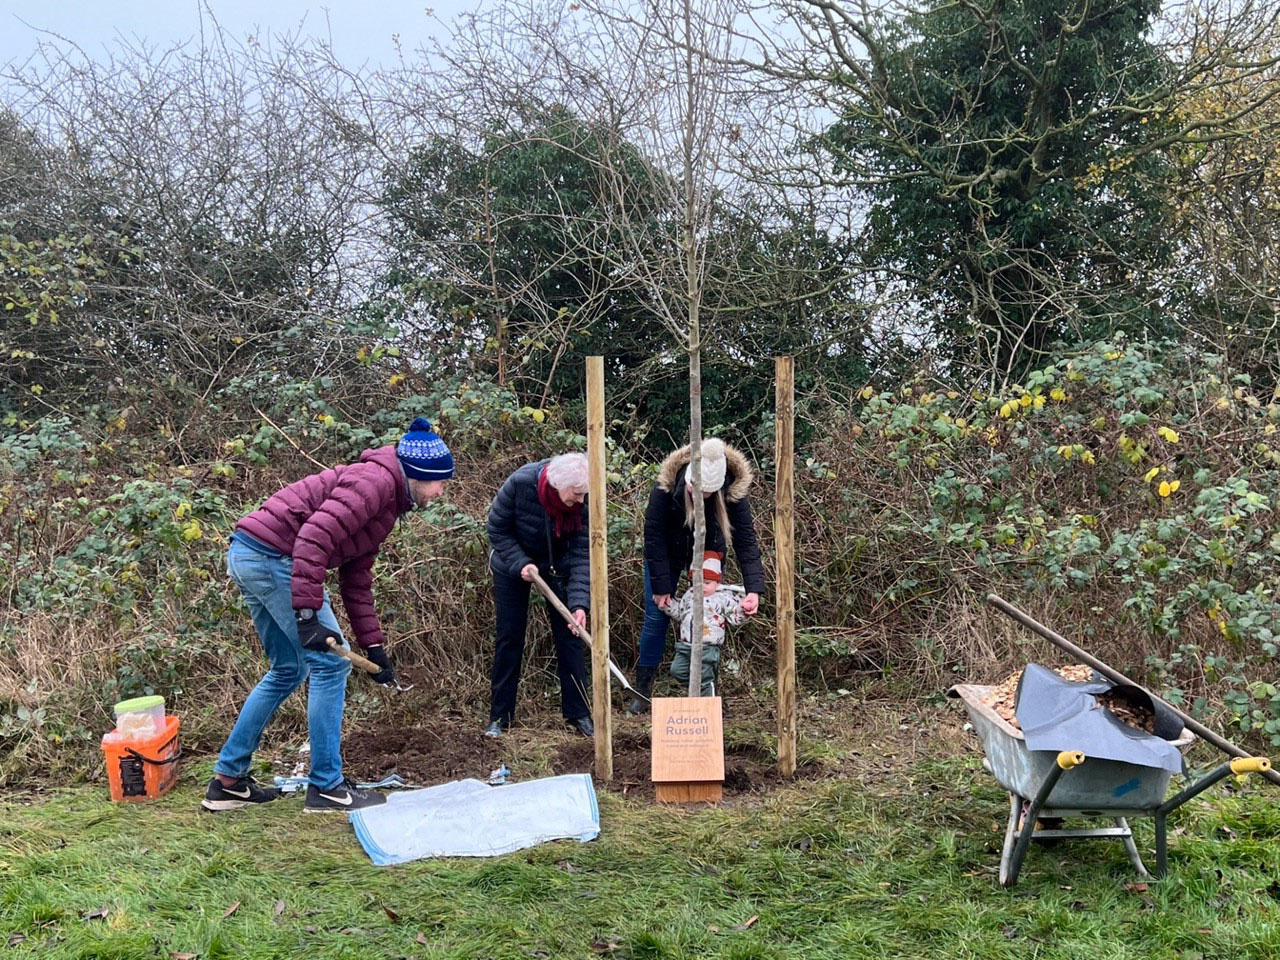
column 143, row 768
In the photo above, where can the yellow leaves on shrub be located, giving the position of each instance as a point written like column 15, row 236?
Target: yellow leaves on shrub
column 1058, row 395
column 183, row 511
column 1006, row 410
column 992, row 436
column 1067, row 451
column 866, row 393
column 1151, row 474
column 1223, row 403
column 1025, row 400
column 537, row 415
column 326, row 419
column 1115, row 354
column 395, row 380
column 1038, row 402
column 1167, row 487
column 1167, row 435
column 1269, row 429
column 191, row 530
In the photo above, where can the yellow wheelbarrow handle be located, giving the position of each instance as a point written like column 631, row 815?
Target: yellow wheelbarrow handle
column 1069, row 759
column 1243, row 765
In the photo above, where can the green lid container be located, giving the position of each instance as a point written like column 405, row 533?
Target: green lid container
column 138, row 704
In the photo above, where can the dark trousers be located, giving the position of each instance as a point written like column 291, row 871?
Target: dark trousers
column 511, row 597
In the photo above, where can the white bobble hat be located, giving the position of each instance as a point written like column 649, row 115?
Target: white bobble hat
column 713, row 466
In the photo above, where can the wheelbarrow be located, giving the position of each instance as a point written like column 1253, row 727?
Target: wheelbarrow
column 1048, row 785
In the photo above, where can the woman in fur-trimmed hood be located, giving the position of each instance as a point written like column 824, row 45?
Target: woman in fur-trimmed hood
column 668, row 541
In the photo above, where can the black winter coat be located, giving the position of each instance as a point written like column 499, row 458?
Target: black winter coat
column 520, row 533
column 668, row 540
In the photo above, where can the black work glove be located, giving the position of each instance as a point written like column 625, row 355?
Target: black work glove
column 311, row 634
column 378, row 654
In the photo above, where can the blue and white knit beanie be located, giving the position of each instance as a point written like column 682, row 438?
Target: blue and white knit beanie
column 424, row 455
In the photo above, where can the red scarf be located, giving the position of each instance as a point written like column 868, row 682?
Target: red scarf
column 565, row 519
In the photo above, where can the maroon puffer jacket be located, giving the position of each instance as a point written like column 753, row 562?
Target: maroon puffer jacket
column 337, row 518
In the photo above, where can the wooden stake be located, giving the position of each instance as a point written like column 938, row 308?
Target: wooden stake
column 600, row 690
column 784, row 531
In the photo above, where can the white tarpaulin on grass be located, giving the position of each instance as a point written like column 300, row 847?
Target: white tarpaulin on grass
column 468, row 818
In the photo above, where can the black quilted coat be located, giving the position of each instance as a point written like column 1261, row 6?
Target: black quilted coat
column 520, row 533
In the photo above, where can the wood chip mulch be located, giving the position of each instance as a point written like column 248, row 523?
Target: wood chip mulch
column 1002, row 697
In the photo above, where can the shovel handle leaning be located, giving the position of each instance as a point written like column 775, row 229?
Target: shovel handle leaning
column 558, row 604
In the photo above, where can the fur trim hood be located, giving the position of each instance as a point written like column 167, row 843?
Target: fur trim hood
column 672, row 471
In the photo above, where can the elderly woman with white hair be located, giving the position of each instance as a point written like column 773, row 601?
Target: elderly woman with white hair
column 538, row 524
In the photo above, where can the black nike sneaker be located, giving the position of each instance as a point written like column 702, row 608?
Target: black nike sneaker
column 345, row 796
column 244, row 792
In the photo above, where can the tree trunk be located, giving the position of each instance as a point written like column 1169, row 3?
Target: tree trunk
column 694, row 293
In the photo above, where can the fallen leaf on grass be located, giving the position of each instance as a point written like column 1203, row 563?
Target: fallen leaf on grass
column 1138, row 887
column 16, row 938
column 391, row 914
column 231, row 909
column 605, row 946
column 99, row 914
column 280, row 907
column 567, row 867
column 1204, row 931
column 182, row 956
column 748, row 924
column 422, row 939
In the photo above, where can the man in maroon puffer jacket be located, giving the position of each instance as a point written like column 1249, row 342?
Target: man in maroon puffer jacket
column 279, row 555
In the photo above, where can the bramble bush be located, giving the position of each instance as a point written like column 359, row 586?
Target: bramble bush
column 1128, row 491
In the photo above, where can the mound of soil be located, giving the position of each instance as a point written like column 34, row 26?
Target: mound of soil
column 439, row 753
column 746, row 771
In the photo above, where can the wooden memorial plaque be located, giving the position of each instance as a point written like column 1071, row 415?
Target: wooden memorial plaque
column 688, row 750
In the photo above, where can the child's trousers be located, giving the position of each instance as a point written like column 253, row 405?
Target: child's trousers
column 710, row 666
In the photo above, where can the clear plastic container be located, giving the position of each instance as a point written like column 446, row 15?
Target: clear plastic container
column 140, row 717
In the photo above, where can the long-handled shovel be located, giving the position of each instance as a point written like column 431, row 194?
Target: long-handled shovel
column 582, row 632
column 365, row 664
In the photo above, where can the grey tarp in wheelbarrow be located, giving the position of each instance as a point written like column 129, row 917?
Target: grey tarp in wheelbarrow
column 1055, row 784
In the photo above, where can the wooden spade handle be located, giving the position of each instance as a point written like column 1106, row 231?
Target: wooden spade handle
column 363, row 663
column 579, row 630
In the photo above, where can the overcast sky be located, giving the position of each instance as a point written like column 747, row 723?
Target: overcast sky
column 361, row 30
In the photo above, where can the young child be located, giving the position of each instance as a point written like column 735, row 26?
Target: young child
column 722, row 605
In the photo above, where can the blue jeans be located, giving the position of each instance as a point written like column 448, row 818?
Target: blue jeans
column 263, row 578
column 653, row 638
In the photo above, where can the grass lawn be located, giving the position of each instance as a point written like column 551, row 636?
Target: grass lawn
column 894, row 855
